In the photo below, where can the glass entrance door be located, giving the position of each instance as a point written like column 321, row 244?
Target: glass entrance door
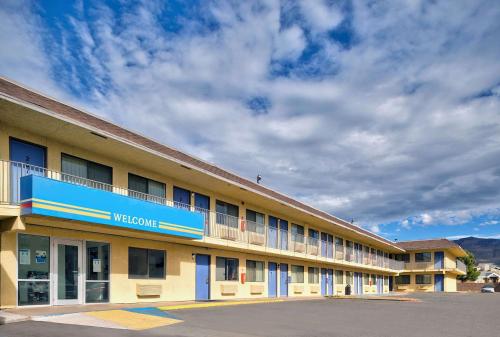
column 67, row 272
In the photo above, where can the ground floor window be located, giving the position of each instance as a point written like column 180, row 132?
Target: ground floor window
column 297, row 274
column 97, row 281
column 339, row 277
column 255, row 271
column 349, row 278
column 226, row 269
column 146, row 263
column 366, row 279
column 386, row 280
column 33, row 272
column 423, row 279
column 313, row 275
column 403, row 279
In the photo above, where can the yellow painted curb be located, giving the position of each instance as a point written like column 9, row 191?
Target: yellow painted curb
column 132, row 320
column 395, row 299
column 213, row 304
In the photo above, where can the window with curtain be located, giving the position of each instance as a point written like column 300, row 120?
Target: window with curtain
column 226, row 269
column 423, row 257
column 297, row 274
column 366, row 279
column 255, row 271
column 403, row 279
column 423, row 279
column 147, row 189
column 227, row 214
column 339, row 241
column 297, row 233
column 74, row 168
column 313, row 275
column 339, row 277
column 255, row 221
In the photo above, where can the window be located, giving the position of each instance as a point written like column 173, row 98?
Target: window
column 339, row 277
column 182, row 198
column 348, row 244
column 33, row 269
column 255, row 271
column 366, row 279
column 297, row 233
column 227, row 214
column 423, row 279
column 349, row 278
column 97, row 283
column 403, row 257
column 80, row 168
column 146, row 186
column 423, row 257
column 227, row 269
column 386, row 280
column 146, row 263
column 297, row 274
column 339, row 241
column 403, row 279
column 255, row 221
column 313, row 234
column 313, row 275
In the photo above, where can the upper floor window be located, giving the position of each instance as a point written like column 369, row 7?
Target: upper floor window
column 297, row 233
column 423, row 279
column 227, row 214
column 75, row 168
column 402, row 257
column 182, row 198
column 423, row 257
column 339, row 241
column 314, row 234
column 144, row 188
column 255, row 221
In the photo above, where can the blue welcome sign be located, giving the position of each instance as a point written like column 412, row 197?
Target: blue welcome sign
column 44, row 196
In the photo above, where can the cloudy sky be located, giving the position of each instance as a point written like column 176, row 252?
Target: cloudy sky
column 387, row 112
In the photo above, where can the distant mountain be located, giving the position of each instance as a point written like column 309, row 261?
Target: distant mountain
column 485, row 250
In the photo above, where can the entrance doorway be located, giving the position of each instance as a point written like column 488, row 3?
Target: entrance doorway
column 67, row 272
column 202, row 290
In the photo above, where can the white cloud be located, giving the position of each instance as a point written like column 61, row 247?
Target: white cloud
column 390, row 128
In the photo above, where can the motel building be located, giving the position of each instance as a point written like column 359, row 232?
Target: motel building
column 93, row 213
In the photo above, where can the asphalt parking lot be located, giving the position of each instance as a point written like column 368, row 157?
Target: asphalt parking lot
column 437, row 315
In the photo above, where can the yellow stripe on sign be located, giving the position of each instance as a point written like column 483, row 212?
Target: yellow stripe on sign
column 179, row 230
column 181, row 226
column 71, row 211
column 70, row 206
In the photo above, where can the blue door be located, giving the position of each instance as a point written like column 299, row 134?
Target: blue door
column 272, row 279
column 26, row 159
column 355, row 289
column 202, row 291
column 438, row 282
column 182, row 197
column 202, row 205
column 438, row 260
column 284, row 234
column 330, row 282
column 323, row 282
column 380, row 284
column 283, row 279
column 273, row 232
column 360, row 282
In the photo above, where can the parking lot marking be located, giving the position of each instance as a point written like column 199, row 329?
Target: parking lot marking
column 214, row 304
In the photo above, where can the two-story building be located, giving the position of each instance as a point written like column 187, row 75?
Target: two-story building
column 91, row 212
column 430, row 265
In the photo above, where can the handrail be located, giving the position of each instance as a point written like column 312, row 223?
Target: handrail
column 217, row 225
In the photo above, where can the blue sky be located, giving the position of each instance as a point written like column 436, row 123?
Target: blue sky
column 385, row 112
